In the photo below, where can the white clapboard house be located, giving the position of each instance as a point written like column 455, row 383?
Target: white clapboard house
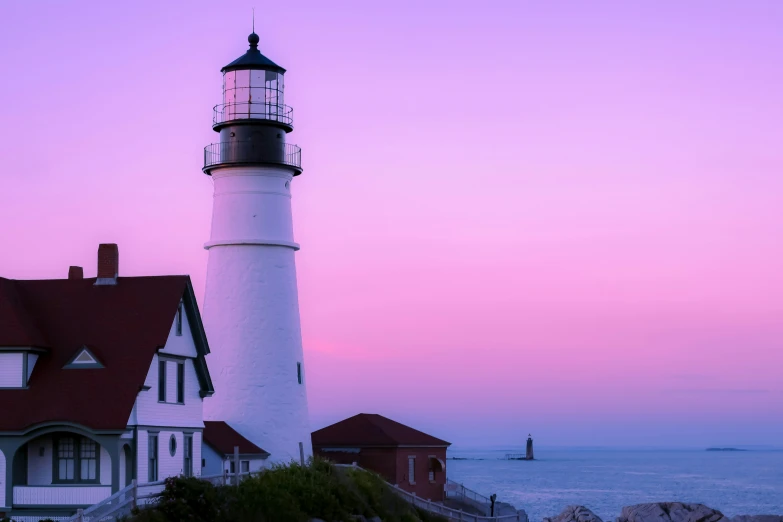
column 102, row 381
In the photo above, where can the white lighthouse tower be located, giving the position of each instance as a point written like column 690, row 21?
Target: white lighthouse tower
column 251, row 308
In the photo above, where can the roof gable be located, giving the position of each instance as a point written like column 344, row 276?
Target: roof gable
column 369, row 429
column 223, row 438
column 123, row 325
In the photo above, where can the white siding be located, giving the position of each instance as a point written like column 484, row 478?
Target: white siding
column 11, row 370
column 170, row 465
column 217, row 464
column 105, row 467
column 2, row 479
column 197, row 454
column 213, row 461
column 149, row 412
column 142, row 456
column 180, row 344
column 39, row 468
column 59, row 495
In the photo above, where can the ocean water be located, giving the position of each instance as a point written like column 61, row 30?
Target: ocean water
column 736, row 483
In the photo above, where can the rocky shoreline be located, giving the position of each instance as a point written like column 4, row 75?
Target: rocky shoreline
column 660, row 512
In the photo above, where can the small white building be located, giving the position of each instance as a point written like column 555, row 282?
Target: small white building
column 218, row 452
column 102, row 381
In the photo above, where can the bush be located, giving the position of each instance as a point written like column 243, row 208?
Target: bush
column 290, row 493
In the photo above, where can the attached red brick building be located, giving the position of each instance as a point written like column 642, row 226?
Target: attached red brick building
column 409, row 458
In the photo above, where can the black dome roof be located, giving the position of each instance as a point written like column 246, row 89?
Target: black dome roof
column 253, row 59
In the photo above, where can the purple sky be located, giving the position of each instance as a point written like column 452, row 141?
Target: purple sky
column 562, row 218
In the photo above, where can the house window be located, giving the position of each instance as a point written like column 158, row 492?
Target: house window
column 152, row 474
column 76, row 460
column 163, row 385
column 411, row 470
column 232, row 468
column 432, row 471
column 179, row 319
column 245, row 466
column 188, row 471
column 162, row 381
column 299, row 372
column 88, row 460
column 180, row 383
column 173, row 445
column 66, row 459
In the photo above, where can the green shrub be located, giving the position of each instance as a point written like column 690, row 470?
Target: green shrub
column 291, row 493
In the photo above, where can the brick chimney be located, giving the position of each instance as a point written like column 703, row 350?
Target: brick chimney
column 108, row 264
column 75, row 272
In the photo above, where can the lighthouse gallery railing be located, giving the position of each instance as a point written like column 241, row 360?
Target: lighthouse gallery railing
column 247, row 152
column 227, row 112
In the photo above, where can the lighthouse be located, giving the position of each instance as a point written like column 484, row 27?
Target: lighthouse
column 251, row 307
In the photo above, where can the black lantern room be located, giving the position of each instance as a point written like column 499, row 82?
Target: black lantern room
column 253, row 120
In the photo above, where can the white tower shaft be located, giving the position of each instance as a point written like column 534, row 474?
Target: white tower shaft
column 251, row 312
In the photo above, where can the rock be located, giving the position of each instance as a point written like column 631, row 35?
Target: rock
column 670, row 512
column 757, row 518
column 575, row 514
column 375, row 519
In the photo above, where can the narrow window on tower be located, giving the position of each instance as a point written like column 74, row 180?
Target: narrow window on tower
column 181, row 383
column 179, row 319
column 299, row 372
column 161, row 381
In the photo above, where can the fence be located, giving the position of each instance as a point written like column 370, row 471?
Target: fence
column 136, row 495
column 451, row 514
column 457, row 490
column 122, row 502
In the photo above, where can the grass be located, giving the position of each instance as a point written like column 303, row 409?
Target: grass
column 290, row 493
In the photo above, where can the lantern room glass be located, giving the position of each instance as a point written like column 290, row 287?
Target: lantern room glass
column 253, row 93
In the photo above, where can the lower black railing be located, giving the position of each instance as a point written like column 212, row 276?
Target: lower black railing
column 249, row 152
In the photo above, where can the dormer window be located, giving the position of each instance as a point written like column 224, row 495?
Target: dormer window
column 179, row 319
column 83, row 359
column 12, row 370
column 16, row 367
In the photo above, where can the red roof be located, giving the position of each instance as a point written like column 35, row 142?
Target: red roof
column 123, row 324
column 223, row 438
column 369, row 429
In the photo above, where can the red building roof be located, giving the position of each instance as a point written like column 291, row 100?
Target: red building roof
column 223, row 438
column 369, row 429
column 123, row 325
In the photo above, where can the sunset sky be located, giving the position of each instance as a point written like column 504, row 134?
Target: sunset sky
column 562, row 218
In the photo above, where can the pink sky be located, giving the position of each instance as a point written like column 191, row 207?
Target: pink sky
column 562, row 218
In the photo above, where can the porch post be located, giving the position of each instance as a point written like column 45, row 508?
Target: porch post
column 9, row 447
column 112, row 444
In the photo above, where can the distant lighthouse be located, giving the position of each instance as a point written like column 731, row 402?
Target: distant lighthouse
column 251, row 307
column 529, row 448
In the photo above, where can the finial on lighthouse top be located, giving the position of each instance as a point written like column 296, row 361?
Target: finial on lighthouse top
column 253, row 59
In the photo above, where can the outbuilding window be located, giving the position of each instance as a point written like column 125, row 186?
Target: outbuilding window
column 411, row 470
